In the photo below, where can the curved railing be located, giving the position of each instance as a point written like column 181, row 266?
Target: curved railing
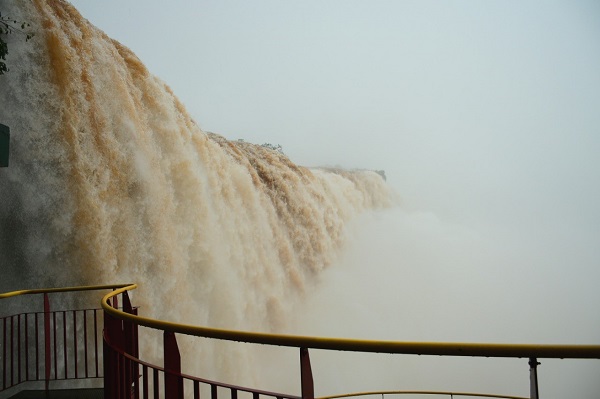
column 355, row 345
column 127, row 376
column 451, row 394
column 49, row 344
column 531, row 352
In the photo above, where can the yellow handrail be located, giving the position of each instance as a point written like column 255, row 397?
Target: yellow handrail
column 447, row 393
column 420, row 348
column 65, row 289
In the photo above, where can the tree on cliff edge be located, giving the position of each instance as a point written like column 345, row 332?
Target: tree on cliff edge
column 9, row 26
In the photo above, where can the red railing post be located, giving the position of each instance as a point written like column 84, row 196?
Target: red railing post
column 18, row 349
column 12, row 350
column 533, row 380
column 113, row 334
column 131, row 347
column 108, row 363
column 308, row 390
column 173, row 379
column 47, row 359
column 4, row 353
column 96, row 363
column 27, row 347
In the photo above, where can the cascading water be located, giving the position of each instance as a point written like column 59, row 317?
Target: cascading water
column 111, row 181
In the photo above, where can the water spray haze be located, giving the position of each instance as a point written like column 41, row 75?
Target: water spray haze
column 408, row 275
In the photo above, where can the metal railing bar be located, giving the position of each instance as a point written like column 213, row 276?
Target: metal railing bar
column 122, row 385
column 440, row 393
column 156, row 384
column 12, row 351
column 67, row 379
column 55, row 346
column 26, row 348
column 4, row 354
column 37, row 350
column 145, row 382
column 85, row 345
column 65, row 353
column 62, row 289
column 355, row 345
column 75, row 365
column 404, row 392
column 19, row 348
column 96, row 342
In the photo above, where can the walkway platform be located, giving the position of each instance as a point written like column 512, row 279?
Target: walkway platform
column 97, row 393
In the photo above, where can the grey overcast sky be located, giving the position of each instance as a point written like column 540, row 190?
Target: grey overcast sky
column 485, row 116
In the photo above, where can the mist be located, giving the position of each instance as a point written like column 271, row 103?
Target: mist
column 484, row 117
column 413, row 277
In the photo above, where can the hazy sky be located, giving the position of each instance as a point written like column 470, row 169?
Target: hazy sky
column 485, row 116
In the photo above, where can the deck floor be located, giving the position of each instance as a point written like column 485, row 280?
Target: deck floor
column 97, row 393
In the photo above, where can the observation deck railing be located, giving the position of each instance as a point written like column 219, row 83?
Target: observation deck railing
column 43, row 345
column 63, row 345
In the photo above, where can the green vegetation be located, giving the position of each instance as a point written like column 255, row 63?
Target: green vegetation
column 9, row 26
column 274, row 147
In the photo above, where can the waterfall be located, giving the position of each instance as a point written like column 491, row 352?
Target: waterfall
column 112, row 181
